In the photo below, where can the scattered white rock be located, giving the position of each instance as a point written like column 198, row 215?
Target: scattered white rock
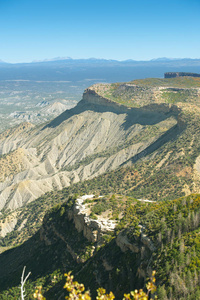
column 146, row 200
column 92, row 229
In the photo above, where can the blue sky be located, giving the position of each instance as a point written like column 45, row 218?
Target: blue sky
column 141, row 30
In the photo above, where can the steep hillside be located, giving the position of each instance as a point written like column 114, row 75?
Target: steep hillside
column 162, row 236
column 81, row 143
column 153, row 144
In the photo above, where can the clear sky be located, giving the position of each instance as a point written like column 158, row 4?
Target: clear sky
column 129, row 29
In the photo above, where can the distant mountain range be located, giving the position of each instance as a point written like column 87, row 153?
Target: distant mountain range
column 101, row 60
column 68, row 69
column 2, row 62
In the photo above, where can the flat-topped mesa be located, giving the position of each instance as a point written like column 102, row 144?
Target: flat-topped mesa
column 180, row 74
column 92, row 95
column 126, row 98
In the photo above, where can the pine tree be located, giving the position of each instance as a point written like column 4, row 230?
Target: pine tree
column 161, row 292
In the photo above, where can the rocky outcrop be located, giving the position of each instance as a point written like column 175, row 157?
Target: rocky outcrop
column 78, row 220
column 124, row 244
column 92, row 229
column 146, row 241
column 142, row 241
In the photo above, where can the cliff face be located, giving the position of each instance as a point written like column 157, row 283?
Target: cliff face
column 92, row 254
column 150, row 95
column 93, row 229
column 141, row 98
column 92, row 96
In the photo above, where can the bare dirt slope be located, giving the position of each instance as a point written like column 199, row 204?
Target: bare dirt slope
column 88, row 140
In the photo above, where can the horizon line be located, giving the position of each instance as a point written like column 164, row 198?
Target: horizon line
column 94, row 58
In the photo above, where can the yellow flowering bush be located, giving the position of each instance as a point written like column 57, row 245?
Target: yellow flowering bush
column 38, row 294
column 77, row 291
column 151, row 288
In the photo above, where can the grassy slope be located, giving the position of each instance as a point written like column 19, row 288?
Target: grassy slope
column 179, row 82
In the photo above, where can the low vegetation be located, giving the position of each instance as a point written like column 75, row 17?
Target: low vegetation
column 77, row 291
column 153, row 90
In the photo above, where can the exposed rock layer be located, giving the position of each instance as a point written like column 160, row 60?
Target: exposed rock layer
column 92, row 229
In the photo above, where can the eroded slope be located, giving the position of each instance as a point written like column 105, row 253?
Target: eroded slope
column 81, row 143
